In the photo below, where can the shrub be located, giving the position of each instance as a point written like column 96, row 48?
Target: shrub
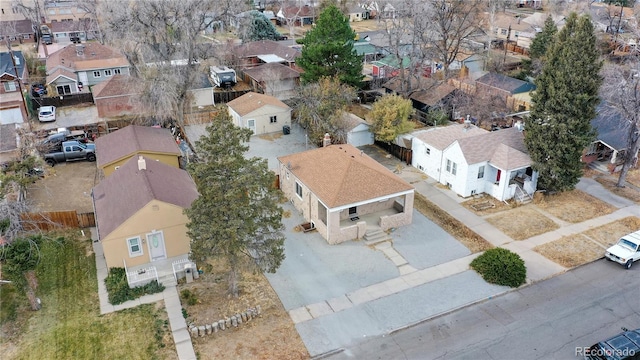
column 189, row 296
column 119, row 290
column 500, row 266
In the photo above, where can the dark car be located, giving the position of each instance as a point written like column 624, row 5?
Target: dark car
column 624, row 346
column 38, row 90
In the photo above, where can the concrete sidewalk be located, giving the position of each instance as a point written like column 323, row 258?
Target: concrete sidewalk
column 178, row 325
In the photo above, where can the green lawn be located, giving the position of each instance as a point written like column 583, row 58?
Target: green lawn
column 69, row 325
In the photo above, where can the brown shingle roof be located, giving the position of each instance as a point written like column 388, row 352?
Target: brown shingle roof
column 442, row 137
column 95, row 56
column 128, row 190
column 60, row 72
column 252, row 101
column 433, row 96
column 11, row 28
column 8, row 141
column 117, row 85
column 272, row 71
column 341, row 175
column 352, row 120
column 265, row 47
column 132, row 139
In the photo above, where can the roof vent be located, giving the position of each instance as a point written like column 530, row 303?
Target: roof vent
column 79, row 49
column 142, row 164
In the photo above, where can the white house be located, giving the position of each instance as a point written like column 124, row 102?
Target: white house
column 470, row 160
column 261, row 113
column 358, row 130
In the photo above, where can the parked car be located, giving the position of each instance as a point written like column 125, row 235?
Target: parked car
column 626, row 251
column 624, row 346
column 72, row 151
column 47, row 113
column 38, row 90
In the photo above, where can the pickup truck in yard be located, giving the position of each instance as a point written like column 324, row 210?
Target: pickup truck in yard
column 626, row 251
column 71, row 151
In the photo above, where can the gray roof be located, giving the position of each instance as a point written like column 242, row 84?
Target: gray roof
column 504, row 149
column 6, row 65
column 128, row 189
column 441, row 137
column 506, row 83
column 272, row 71
column 611, row 128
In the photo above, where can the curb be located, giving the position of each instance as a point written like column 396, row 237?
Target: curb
column 325, row 355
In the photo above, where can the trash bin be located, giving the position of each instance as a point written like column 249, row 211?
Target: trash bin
column 286, row 130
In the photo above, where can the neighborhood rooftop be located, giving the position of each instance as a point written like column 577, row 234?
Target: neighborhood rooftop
column 252, row 101
column 441, row 137
column 132, row 139
column 119, row 196
column 342, row 174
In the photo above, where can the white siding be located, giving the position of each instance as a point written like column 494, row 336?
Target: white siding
column 263, row 119
column 427, row 163
column 360, row 136
column 458, row 182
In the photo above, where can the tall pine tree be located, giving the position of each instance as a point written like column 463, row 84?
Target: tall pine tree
column 564, row 103
column 237, row 216
column 329, row 51
column 543, row 39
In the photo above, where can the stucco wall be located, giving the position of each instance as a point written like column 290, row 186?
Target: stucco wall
column 164, row 158
column 157, row 216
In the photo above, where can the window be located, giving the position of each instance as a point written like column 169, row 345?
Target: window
column 287, row 175
column 273, row 119
column 10, row 86
column 503, row 31
column 299, row 190
column 481, row 172
column 427, row 151
column 107, row 73
column 63, row 89
column 96, row 74
column 135, row 248
column 116, row 71
column 452, row 167
column 26, row 36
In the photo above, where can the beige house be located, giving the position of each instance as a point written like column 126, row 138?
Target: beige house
column 116, row 148
column 344, row 193
column 261, row 113
column 140, row 220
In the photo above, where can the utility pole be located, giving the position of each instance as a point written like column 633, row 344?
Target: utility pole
column 506, row 45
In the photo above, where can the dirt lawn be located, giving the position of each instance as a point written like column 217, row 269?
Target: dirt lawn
column 522, row 222
column 573, row 206
column 578, row 249
column 65, row 187
column 269, row 336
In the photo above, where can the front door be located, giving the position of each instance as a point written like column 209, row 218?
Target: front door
column 155, row 241
column 251, row 124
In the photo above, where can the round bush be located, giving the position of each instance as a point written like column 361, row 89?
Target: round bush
column 500, row 266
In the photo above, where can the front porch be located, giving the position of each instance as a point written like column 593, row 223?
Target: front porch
column 372, row 220
column 166, row 271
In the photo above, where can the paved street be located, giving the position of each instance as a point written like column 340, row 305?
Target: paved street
column 547, row 320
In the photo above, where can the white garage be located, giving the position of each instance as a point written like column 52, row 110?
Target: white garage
column 358, row 130
column 11, row 116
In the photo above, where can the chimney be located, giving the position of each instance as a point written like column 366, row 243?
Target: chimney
column 326, row 141
column 142, row 164
column 467, row 122
column 519, row 125
column 79, row 49
column 17, row 60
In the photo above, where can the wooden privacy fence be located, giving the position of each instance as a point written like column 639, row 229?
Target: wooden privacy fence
column 50, row 220
column 400, row 152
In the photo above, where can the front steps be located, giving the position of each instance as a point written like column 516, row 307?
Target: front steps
column 373, row 237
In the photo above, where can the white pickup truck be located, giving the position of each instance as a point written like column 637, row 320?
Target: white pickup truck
column 626, row 251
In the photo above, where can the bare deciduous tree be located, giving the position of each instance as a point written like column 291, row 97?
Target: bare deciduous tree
column 621, row 89
column 162, row 41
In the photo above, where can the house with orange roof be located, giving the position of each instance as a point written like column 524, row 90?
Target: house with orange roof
column 261, row 113
column 344, row 193
column 77, row 67
column 470, row 160
column 118, row 96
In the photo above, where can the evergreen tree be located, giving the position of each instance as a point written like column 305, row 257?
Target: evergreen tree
column 237, row 216
column 329, row 51
column 564, row 104
column 543, row 39
column 258, row 27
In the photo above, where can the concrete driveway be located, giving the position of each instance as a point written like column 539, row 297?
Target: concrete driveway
column 71, row 116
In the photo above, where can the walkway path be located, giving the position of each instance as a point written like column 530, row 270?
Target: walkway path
column 538, row 267
column 178, row 325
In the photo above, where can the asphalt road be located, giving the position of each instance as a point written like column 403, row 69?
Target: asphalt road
column 548, row 320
